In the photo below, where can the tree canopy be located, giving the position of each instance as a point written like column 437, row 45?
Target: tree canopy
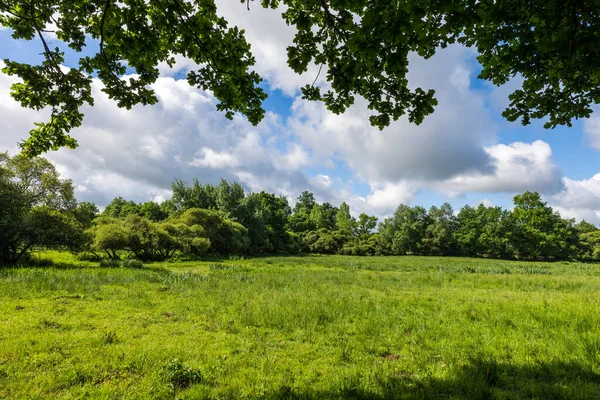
column 361, row 46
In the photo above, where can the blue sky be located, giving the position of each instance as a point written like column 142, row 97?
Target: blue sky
column 465, row 153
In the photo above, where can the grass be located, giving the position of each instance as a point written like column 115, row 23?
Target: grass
column 314, row 327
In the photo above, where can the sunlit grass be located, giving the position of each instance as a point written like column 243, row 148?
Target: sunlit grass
column 301, row 327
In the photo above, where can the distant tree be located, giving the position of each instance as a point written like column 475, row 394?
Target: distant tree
column 306, row 202
column 323, row 216
column 36, row 208
column 366, row 224
column 169, row 209
column 589, row 246
column 324, row 241
column 266, row 218
column 121, row 208
column 484, row 231
column 301, row 222
column 85, row 212
column 539, row 232
column 442, row 224
column 585, row 227
column 145, row 239
column 152, row 211
column 404, row 231
column 343, row 220
column 229, row 196
column 196, row 196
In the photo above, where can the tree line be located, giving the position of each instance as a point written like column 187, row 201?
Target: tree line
column 38, row 209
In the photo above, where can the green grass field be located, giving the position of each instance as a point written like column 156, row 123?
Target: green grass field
column 301, row 327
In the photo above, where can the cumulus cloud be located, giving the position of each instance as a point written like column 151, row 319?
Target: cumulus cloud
column 591, row 127
column 383, row 201
column 269, row 36
column 137, row 153
column 579, row 199
column 449, row 142
column 517, row 167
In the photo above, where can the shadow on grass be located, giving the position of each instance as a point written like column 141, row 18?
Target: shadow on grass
column 480, row 379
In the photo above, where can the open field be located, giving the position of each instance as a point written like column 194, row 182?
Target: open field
column 302, row 327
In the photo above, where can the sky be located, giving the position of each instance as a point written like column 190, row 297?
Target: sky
column 464, row 153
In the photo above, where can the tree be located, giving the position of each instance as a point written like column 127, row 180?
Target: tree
column 121, row 208
column 323, row 216
column 196, row 196
column 266, row 217
column 306, row 202
column 585, row 227
column 363, row 47
column 539, row 232
column 226, row 237
column 229, row 197
column 153, row 211
column 404, row 231
column 36, row 208
column 85, row 213
column 484, row 231
column 439, row 238
column 366, row 224
column 343, row 220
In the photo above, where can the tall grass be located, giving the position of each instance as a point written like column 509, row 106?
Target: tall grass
column 302, row 327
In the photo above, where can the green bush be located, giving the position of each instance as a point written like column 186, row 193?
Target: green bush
column 38, row 262
column 180, row 376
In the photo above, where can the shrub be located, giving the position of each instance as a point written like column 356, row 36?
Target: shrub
column 110, row 263
column 180, row 376
column 38, row 262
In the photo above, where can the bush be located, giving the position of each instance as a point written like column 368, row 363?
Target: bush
column 38, row 262
column 180, row 376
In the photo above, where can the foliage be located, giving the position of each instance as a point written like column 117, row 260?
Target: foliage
column 36, row 208
column 180, row 376
column 404, row 232
column 137, row 34
column 145, row 239
column 121, row 208
column 343, row 220
column 363, row 48
column 539, row 232
column 484, row 231
column 225, row 236
column 365, row 224
column 39, row 210
column 85, row 212
column 324, row 241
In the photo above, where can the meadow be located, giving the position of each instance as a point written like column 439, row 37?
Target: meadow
column 313, row 327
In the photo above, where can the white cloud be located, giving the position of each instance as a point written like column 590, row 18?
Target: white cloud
column 213, row 159
column 591, row 126
column 449, row 142
column 269, row 36
column 486, row 202
column 389, row 197
column 137, row 153
column 516, row 167
column 579, row 199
